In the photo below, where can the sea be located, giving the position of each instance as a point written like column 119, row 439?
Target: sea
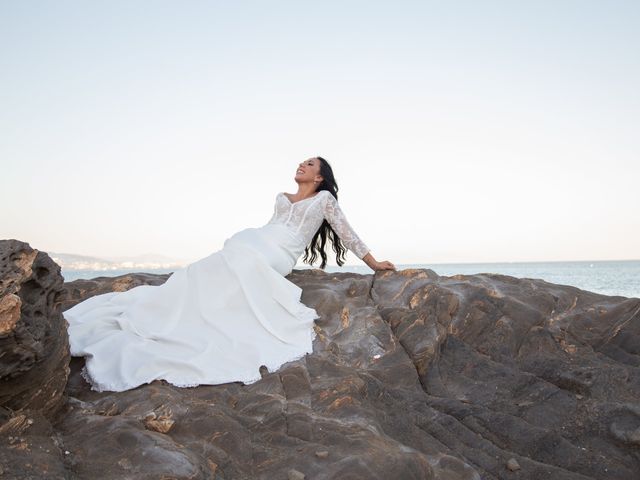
column 609, row 277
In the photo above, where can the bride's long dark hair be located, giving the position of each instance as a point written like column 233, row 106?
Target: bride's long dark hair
column 318, row 242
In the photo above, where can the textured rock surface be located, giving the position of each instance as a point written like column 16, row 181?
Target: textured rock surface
column 517, row 368
column 34, row 362
column 34, row 349
column 413, row 376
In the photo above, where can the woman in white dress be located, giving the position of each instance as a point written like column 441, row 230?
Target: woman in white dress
column 220, row 318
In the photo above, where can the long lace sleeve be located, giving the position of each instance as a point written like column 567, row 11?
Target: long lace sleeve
column 339, row 223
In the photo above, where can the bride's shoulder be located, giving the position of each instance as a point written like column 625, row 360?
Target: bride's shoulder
column 328, row 194
column 325, row 196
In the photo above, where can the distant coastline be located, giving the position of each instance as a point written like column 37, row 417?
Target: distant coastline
column 146, row 262
column 75, row 262
column 609, row 277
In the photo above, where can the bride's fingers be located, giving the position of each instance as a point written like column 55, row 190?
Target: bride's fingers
column 387, row 265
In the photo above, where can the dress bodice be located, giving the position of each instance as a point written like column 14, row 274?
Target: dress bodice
column 306, row 216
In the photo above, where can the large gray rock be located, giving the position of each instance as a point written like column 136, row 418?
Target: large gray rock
column 413, row 376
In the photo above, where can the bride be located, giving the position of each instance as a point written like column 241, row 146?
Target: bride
column 220, row 318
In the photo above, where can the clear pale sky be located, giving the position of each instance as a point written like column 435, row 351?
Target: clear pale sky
column 460, row 131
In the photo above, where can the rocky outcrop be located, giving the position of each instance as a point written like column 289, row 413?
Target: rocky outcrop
column 34, row 362
column 413, row 376
column 520, row 368
column 34, row 348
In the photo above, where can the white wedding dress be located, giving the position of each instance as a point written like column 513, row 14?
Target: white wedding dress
column 217, row 319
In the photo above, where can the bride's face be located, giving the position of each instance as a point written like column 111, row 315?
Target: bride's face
column 308, row 171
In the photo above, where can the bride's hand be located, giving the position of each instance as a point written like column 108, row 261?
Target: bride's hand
column 384, row 265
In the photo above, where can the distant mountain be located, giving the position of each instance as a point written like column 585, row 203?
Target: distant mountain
column 72, row 261
column 145, row 257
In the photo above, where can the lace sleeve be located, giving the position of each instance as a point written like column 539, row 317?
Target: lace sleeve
column 339, row 223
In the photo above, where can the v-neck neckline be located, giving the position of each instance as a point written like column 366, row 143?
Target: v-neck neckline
column 293, row 203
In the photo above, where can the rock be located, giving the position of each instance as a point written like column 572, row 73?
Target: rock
column 513, row 465
column 120, row 447
column 159, row 422
column 29, row 447
column 413, row 375
column 81, row 289
column 34, row 360
column 295, row 475
column 501, row 344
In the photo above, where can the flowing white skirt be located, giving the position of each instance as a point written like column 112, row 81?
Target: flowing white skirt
column 217, row 320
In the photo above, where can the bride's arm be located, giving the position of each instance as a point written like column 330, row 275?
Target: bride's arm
column 338, row 221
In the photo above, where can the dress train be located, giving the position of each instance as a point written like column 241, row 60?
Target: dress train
column 216, row 320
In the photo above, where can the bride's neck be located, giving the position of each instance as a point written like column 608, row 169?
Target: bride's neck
column 305, row 190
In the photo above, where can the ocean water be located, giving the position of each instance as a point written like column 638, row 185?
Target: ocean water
column 612, row 277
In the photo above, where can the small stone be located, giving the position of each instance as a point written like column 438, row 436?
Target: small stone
column 513, row 465
column 294, row 474
column 158, row 423
column 213, row 466
column 322, row 453
column 67, row 452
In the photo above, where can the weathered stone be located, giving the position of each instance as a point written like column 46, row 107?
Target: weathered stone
column 513, row 465
column 158, row 422
column 413, row 376
column 295, row 475
column 29, row 447
column 34, row 347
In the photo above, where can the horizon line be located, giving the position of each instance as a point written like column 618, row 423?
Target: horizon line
column 305, row 266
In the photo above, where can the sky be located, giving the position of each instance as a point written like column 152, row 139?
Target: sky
column 460, row 131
